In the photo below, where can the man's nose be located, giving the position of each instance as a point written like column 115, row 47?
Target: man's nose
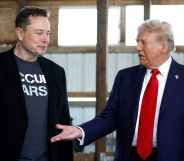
column 139, row 46
column 46, row 38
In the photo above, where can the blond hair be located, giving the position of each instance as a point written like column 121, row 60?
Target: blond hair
column 162, row 28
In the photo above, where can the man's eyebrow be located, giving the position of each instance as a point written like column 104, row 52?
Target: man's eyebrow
column 38, row 30
column 48, row 31
column 138, row 40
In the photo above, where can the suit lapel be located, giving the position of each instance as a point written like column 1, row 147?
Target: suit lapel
column 138, row 81
column 13, row 79
column 50, row 76
column 173, row 79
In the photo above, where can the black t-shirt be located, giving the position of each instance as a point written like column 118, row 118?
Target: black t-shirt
column 36, row 97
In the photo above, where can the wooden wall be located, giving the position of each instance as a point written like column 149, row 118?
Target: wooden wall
column 9, row 9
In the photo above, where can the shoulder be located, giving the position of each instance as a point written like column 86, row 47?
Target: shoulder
column 7, row 58
column 131, row 70
column 175, row 63
column 7, row 54
column 130, row 75
column 175, row 66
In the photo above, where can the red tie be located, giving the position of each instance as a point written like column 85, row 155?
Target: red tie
column 147, row 115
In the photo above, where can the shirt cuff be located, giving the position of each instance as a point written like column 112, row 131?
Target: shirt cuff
column 81, row 140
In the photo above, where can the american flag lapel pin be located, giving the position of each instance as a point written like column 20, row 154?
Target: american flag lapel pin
column 177, row 76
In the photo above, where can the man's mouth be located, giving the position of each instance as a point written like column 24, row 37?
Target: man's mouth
column 43, row 47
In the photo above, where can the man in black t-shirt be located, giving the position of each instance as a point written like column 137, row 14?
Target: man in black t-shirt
column 33, row 95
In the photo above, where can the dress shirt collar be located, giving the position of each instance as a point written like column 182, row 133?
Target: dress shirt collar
column 164, row 68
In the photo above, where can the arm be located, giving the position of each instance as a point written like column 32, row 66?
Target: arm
column 93, row 128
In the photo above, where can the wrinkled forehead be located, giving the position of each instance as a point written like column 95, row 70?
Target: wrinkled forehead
column 147, row 35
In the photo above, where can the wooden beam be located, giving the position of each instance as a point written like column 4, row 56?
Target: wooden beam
column 89, row 2
column 81, row 2
column 118, row 49
column 167, row 2
column 102, row 50
column 71, row 49
column 63, row 3
column 81, row 94
column 125, row 2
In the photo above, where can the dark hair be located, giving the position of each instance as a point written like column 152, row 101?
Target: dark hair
column 22, row 18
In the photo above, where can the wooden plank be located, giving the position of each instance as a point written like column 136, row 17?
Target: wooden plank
column 71, row 49
column 81, row 2
column 118, row 49
column 125, row 2
column 167, row 2
column 82, row 50
column 81, row 94
column 93, row 2
column 63, row 3
column 87, row 2
column 73, row 2
column 84, row 157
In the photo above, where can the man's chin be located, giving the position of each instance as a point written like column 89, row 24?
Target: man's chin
column 40, row 53
column 142, row 61
column 144, row 64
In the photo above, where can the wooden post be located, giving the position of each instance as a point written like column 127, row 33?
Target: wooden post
column 54, row 19
column 147, row 6
column 122, row 24
column 102, row 49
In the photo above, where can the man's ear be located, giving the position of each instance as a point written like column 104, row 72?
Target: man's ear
column 19, row 33
column 165, row 47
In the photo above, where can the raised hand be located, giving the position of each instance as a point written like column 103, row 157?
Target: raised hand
column 67, row 133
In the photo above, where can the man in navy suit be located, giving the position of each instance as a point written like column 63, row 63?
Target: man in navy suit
column 155, row 43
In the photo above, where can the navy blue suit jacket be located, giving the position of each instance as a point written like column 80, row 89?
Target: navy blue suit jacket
column 120, row 114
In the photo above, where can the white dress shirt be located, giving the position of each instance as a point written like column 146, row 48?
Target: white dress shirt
column 162, row 77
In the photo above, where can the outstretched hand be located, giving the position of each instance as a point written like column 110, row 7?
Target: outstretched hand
column 67, row 133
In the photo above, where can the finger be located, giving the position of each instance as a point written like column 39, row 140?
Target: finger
column 59, row 126
column 55, row 138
